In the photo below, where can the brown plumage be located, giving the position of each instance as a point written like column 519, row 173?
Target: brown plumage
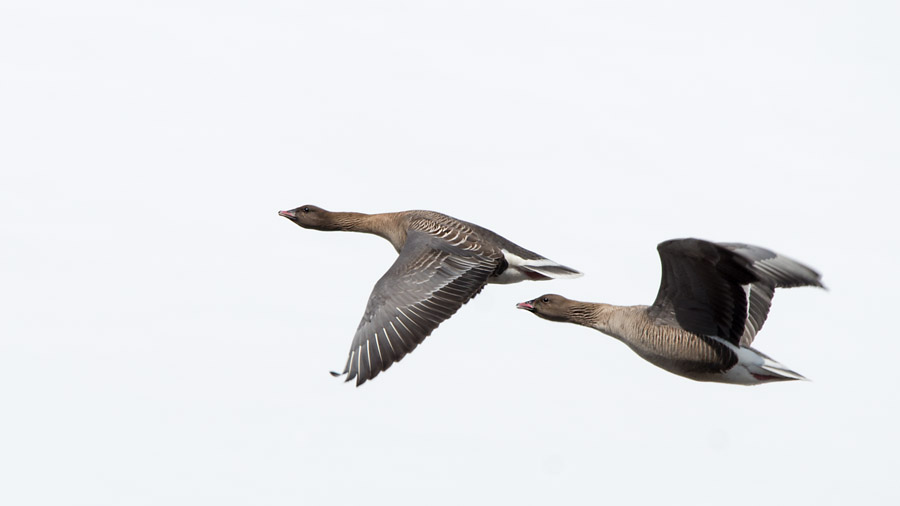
column 712, row 301
column 442, row 264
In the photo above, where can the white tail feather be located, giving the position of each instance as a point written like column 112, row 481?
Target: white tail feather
column 554, row 270
column 536, row 269
column 780, row 370
column 754, row 368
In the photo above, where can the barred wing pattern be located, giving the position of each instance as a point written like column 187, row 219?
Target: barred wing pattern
column 430, row 280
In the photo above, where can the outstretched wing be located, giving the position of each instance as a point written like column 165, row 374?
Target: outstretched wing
column 430, row 280
column 701, row 288
column 725, row 289
column 775, row 271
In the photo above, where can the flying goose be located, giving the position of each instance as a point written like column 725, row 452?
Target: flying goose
column 442, row 264
column 712, row 301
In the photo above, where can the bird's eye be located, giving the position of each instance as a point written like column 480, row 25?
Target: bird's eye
column 545, row 299
column 306, row 209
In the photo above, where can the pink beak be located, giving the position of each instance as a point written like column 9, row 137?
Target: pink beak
column 525, row 305
column 287, row 214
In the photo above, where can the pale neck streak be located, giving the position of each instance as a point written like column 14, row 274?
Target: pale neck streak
column 386, row 225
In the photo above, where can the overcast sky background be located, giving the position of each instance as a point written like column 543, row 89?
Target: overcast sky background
column 166, row 338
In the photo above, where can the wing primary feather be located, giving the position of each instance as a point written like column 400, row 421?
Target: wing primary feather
column 430, row 280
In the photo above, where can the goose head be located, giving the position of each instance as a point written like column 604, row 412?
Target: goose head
column 549, row 307
column 310, row 216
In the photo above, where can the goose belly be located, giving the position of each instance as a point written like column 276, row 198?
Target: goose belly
column 685, row 354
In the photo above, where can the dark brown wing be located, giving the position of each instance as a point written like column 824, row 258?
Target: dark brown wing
column 775, row 271
column 701, row 288
column 722, row 290
column 430, row 280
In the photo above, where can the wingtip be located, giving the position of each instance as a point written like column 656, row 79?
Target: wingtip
column 359, row 379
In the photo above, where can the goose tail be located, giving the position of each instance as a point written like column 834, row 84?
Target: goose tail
column 533, row 269
column 765, row 369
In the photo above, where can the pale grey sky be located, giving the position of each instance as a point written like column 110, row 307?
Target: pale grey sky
column 166, row 337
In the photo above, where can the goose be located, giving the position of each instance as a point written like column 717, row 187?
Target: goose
column 713, row 299
column 443, row 263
